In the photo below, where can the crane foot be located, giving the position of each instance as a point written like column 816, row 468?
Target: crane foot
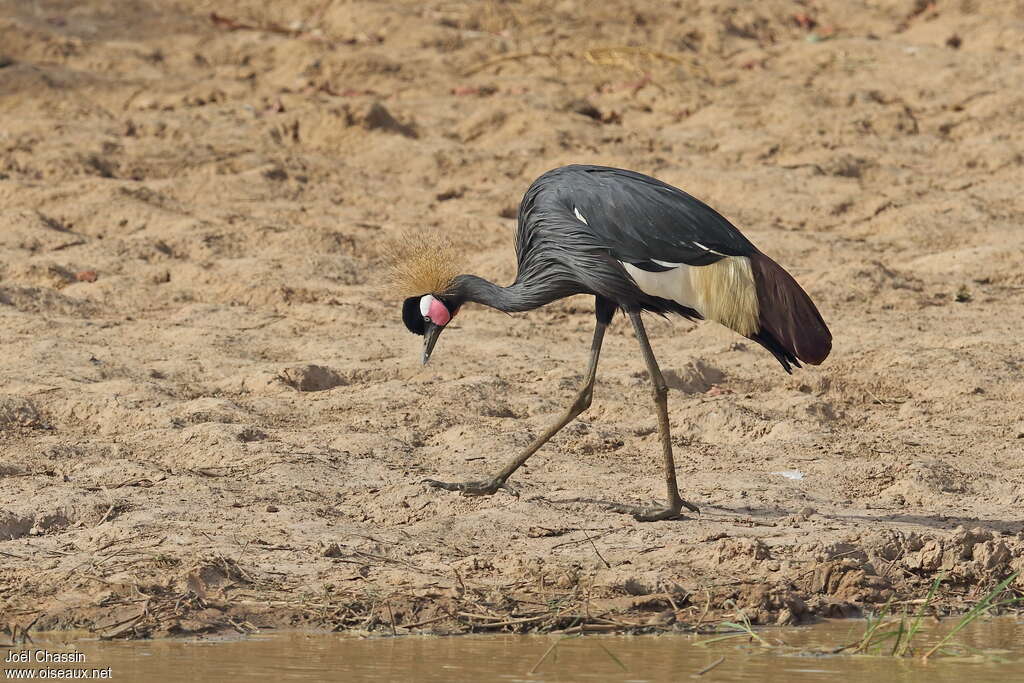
column 642, row 514
column 473, row 488
column 639, row 513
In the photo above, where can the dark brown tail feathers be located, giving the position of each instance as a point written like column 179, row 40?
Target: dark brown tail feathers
column 791, row 327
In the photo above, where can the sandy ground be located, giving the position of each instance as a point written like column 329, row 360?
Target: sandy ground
column 211, row 415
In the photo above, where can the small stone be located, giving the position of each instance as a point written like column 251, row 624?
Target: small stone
column 786, row 617
column 663, row 618
column 377, row 117
column 272, row 508
column 634, row 586
column 584, row 108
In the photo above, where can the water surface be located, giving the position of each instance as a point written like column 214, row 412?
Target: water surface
column 317, row 656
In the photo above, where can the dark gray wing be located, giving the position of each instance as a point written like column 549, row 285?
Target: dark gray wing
column 641, row 219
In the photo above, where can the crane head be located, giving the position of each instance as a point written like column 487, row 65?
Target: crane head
column 425, row 263
column 427, row 316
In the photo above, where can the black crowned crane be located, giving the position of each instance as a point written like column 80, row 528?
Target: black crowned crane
column 635, row 244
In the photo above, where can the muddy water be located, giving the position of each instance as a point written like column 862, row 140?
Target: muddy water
column 313, row 657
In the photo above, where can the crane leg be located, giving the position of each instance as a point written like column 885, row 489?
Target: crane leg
column 675, row 503
column 580, row 404
column 660, row 390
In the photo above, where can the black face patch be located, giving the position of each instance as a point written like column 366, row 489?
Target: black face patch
column 412, row 317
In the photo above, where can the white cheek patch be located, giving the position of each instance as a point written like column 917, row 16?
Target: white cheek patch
column 425, row 305
column 434, row 311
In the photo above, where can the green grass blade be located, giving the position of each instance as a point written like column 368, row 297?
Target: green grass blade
column 718, row 639
column 979, row 609
column 899, row 637
column 614, row 658
column 744, row 629
column 915, row 625
column 874, row 623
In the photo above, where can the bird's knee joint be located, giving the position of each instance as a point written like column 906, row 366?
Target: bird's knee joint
column 660, row 391
column 582, row 402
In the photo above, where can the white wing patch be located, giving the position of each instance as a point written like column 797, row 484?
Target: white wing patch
column 723, row 291
column 579, row 215
column 708, row 249
column 674, row 285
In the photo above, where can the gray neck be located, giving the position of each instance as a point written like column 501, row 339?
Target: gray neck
column 512, row 299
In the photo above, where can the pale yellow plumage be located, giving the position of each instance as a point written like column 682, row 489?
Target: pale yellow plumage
column 723, row 291
column 726, row 294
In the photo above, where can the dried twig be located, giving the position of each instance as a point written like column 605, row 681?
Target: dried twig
column 709, row 667
column 543, row 657
column 391, row 614
column 527, row 620
column 594, row 545
column 507, row 58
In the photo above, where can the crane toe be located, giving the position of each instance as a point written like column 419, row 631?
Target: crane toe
column 640, row 513
column 652, row 514
column 473, row 488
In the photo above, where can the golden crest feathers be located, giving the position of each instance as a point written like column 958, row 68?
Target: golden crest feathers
column 422, row 263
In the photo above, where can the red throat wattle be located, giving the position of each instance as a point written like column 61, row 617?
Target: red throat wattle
column 437, row 312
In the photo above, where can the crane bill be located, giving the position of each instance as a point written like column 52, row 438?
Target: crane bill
column 430, row 336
